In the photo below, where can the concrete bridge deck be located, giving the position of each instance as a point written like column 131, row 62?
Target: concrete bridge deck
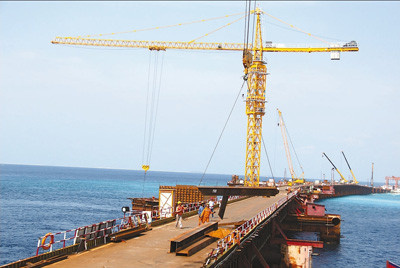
column 151, row 249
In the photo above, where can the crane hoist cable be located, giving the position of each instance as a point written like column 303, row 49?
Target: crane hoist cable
column 222, row 132
column 254, row 23
column 152, row 103
column 163, row 27
column 247, row 57
column 152, row 100
column 246, row 25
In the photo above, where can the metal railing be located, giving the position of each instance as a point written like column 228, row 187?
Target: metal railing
column 132, row 219
column 226, row 243
column 51, row 242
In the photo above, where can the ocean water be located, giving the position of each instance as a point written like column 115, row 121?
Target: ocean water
column 35, row 200
column 370, row 228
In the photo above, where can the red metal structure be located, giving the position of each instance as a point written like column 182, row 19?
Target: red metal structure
column 396, row 179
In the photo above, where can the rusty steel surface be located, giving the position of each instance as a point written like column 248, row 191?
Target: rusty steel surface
column 152, row 248
column 240, row 190
column 185, row 239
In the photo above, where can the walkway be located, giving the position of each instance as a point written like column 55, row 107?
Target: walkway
column 151, row 249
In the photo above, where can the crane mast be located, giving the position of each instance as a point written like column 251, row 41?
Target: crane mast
column 255, row 108
column 255, row 73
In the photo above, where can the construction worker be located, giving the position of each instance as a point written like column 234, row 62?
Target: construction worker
column 205, row 215
column 179, row 213
column 211, row 204
column 201, row 208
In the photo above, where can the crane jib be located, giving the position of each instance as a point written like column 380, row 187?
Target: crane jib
column 163, row 45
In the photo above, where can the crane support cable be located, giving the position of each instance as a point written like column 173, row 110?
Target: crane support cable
column 163, row 27
column 222, row 132
column 298, row 29
column 290, row 139
column 269, row 163
column 226, row 25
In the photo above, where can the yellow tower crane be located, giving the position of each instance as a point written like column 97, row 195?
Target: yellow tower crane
column 295, row 179
column 255, row 72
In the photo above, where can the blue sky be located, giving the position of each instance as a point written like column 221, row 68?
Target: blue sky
column 69, row 106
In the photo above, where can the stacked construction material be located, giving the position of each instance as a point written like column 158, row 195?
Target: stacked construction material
column 185, row 193
column 144, row 204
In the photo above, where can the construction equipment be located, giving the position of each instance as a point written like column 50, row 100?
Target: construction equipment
column 372, row 175
column 254, row 68
column 343, row 179
column 295, row 179
column 354, row 177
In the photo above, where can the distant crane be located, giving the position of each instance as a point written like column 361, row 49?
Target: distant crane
column 343, row 179
column 254, row 68
column 354, row 177
column 372, row 175
column 295, row 179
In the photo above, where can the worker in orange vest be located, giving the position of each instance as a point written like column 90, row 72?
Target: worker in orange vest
column 205, row 215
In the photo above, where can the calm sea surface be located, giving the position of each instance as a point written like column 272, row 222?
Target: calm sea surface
column 35, row 200
column 371, row 230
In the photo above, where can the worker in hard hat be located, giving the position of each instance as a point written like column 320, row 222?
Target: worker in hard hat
column 179, row 213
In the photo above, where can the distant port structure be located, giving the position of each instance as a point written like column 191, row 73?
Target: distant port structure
column 392, row 178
